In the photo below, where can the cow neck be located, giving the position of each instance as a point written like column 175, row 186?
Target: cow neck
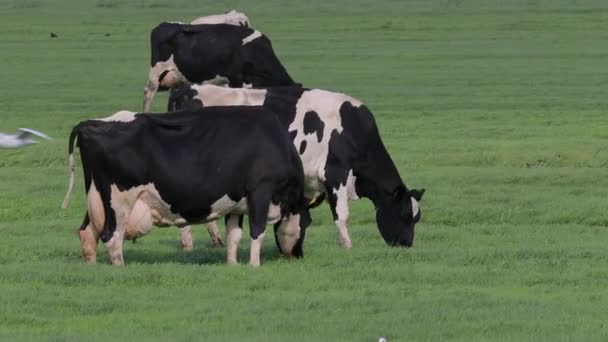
column 378, row 177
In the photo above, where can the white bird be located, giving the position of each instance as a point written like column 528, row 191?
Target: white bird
column 22, row 138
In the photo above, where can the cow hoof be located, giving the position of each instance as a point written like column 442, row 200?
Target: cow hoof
column 346, row 244
column 118, row 262
column 90, row 260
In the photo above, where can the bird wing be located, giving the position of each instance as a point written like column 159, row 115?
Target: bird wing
column 25, row 132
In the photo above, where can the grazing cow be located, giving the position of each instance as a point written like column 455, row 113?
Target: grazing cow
column 189, row 167
column 183, row 53
column 233, row 18
column 341, row 150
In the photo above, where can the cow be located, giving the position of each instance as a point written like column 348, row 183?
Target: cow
column 183, row 53
column 187, row 244
column 232, row 17
column 342, row 153
column 190, row 167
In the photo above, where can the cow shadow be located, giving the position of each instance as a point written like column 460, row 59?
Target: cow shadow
column 204, row 253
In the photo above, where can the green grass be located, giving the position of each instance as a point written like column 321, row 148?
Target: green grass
column 497, row 108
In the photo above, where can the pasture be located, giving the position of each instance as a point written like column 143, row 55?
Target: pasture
column 497, row 108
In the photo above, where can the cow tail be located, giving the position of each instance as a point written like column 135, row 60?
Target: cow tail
column 73, row 135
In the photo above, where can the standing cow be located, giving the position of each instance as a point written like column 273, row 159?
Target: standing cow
column 189, row 167
column 341, row 150
column 183, row 53
column 233, row 18
column 187, row 245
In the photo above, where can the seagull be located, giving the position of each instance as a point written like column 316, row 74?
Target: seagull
column 22, row 138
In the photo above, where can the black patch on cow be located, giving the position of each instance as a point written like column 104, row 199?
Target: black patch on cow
column 302, row 147
column 85, row 222
column 283, row 101
column 313, row 124
column 343, row 149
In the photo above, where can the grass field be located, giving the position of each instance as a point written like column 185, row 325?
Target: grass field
column 497, row 108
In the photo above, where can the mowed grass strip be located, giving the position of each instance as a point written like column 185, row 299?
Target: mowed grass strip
column 497, row 108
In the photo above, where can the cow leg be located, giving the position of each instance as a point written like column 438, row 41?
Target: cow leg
column 92, row 225
column 234, row 232
column 214, row 234
column 149, row 91
column 88, row 240
column 258, row 203
column 114, row 248
column 186, row 236
column 338, row 202
column 110, row 235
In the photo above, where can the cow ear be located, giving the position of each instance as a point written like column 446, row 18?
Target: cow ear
column 417, row 194
column 399, row 192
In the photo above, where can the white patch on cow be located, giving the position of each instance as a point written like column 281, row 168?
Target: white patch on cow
column 415, row 207
column 122, row 116
column 233, row 18
column 289, row 233
column 233, row 237
column 350, row 186
column 255, row 250
column 225, row 205
column 247, row 85
column 212, row 95
column 255, row 35
column 327, row 105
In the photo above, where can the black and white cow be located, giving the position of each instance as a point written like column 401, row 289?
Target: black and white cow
column 341, row 150
column 186, row 234
column 189, row 167
column 232, row 17
column 183, row 53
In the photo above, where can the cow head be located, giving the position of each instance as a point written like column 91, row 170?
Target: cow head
column 396, row 218
column 289, row 233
